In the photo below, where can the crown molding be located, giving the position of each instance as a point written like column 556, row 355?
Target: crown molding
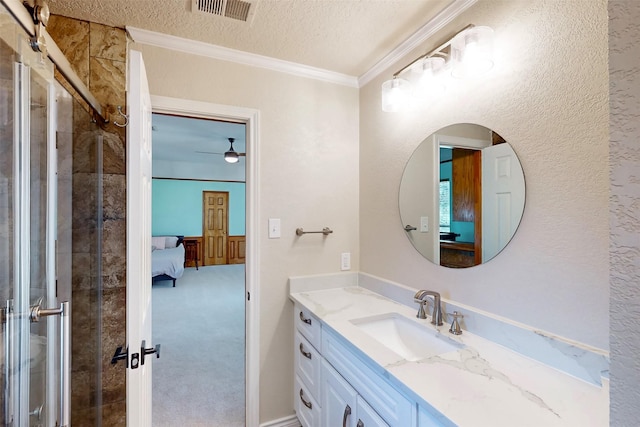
column 447, row 15
column 218, row 52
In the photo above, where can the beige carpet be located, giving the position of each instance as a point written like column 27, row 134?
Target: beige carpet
column 199, row 379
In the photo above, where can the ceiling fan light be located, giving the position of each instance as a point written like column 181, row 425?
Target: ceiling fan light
column 231, row 157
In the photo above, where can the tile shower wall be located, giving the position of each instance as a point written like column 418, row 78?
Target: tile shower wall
column 98, row 55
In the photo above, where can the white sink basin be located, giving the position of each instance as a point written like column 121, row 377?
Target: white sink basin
column 409, row 339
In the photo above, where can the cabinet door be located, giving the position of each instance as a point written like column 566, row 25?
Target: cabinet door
column 426, row 419
column 338, row 399
column 367, row 417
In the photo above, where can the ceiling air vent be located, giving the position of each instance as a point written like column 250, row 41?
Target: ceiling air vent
column 235, row 9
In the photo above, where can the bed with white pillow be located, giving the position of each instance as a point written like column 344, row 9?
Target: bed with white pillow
column 167, row 258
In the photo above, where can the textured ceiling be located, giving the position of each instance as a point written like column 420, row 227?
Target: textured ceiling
column 345, row 36
column 183, row 139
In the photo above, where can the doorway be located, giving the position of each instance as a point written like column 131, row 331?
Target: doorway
column 248, row 119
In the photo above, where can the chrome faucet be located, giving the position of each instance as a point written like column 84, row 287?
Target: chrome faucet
column 436, row 316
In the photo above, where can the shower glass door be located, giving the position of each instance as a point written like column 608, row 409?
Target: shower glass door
column 32, row 315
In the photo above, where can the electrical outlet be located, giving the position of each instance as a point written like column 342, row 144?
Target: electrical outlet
column 274, row 228
column 345, row 261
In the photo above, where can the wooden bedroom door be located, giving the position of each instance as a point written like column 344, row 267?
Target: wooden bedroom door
column 139, row 341
column 215, row 224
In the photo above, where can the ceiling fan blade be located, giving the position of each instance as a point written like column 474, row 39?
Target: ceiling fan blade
column 220, row 154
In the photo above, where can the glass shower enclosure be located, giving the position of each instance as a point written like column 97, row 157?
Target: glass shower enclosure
column 44, row 163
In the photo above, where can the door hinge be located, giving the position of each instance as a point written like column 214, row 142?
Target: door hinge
column 248, row 296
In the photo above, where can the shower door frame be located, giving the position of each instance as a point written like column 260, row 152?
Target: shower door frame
column 22, row 312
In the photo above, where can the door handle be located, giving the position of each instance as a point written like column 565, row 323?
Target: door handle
column 119, row 355
column 360, row 423
column 345, row 415
column 144, row 351
column 64, row 311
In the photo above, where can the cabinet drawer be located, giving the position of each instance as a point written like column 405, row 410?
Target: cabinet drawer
column 388, row 402
column 308, row 364
column 308, row 325
column 307, row 408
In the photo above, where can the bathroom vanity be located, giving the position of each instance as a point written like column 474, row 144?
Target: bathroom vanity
column 363, row 360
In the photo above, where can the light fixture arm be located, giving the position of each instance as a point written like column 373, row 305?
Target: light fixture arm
column 437, row 51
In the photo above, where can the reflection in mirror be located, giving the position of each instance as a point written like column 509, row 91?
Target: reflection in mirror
column 462, row 195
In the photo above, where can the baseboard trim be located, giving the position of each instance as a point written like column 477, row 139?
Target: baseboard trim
column 290, row 421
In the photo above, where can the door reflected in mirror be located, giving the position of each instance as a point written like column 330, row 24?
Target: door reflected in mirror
column 462, row 195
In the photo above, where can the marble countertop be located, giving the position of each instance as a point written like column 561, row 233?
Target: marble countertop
column 480, row 384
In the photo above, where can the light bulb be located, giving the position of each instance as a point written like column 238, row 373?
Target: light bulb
column 396, row 95
column 427, row 74
column 472, row 52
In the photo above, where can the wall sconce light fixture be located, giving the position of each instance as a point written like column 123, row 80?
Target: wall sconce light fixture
column 468, row 53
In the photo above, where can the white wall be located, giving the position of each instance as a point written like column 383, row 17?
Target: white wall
column 624, row 68
column 547, row 96
column 308, row 178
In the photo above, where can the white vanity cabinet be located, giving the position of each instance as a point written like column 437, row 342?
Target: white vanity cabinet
column 342, row 405
column 334, row 388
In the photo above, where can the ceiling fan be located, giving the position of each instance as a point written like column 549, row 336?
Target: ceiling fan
column 230, row 156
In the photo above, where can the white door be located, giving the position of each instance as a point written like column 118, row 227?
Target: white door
column 502, row 198
column 139, row 245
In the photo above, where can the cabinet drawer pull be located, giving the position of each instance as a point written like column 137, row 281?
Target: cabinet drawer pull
column 307, row 321
column 347, row 412
column 307, row 404
column 306, row 354
column 360, row 423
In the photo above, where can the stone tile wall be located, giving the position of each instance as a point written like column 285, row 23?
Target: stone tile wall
column 98, row 55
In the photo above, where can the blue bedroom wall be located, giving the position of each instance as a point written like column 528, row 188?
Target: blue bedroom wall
column 177, row 206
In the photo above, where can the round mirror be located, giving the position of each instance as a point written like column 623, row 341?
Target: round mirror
column 462, row 195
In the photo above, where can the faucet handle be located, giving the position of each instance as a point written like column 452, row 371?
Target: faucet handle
column 455, row 326
column 421, row 312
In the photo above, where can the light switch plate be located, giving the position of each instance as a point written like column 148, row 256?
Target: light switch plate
column 274, row 228
column 424, row 224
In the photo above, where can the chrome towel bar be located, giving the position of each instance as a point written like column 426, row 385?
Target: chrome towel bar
column 326, row 231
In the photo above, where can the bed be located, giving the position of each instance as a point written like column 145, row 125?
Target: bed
column 167, row 258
